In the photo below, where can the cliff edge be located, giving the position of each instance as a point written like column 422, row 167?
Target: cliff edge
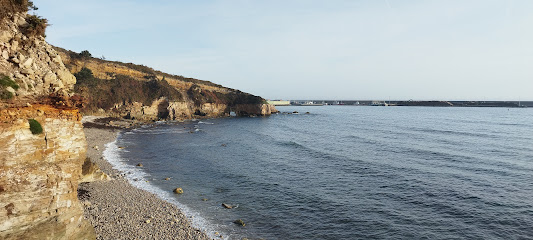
column 138, row 92
column 42, row 141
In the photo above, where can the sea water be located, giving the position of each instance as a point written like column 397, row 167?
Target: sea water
column 344, row 172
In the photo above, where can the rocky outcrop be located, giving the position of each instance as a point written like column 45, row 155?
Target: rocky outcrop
column 123, row 88
column 255, row 109
column 90, row 172
column 39, row 175
column 163, row 109
column 39, row 167
column 31, row 62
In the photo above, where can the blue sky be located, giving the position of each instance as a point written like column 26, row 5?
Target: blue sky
column 309, row 49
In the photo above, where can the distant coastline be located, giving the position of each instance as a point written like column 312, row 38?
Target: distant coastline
column 408, row 103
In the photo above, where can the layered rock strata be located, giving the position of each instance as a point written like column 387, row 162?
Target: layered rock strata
column 40, row 166
column 39, row 175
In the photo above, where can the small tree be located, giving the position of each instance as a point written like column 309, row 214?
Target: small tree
column 31, row 6
column 85, row 54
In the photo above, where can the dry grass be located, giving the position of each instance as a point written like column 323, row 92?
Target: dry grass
column 8, row 7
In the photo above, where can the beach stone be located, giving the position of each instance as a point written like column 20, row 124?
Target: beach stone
column 239, row 222
column 227, row 206
column 178, row 190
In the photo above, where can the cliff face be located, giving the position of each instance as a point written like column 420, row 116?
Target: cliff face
column 40, row 166
column 35, row 66
column 42, row 144
column 39, row 175
column 138, row 92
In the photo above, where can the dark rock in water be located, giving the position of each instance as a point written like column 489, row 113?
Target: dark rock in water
column 239, row 222
column 227, row 206
column 140, row 165
column 307, row 113
column 295, row 112
column 178, row 190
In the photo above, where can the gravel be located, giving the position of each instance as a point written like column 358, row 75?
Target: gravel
column 118, row 210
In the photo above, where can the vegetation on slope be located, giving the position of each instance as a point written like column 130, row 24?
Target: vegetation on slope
column 122, row 89
column 105, row 94
column 86, row 55
column 6, row 82
column 35, row 127
column 36, row 25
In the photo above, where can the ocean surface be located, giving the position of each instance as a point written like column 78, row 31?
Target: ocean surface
column 344, row 172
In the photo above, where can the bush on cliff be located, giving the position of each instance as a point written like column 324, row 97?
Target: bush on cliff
column 5, row 82
column 35, row 127
column 85, row 54
column 8, row 7
column 36, row 26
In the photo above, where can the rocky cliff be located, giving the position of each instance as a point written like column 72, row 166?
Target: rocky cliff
column 39, row 174
column 42, row 145
column 139, row 92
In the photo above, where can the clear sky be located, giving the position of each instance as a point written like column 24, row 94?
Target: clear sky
column 315, row 49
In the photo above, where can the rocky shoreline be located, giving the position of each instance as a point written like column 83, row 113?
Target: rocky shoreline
column 118, row 210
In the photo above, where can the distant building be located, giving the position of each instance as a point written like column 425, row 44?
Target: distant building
column 379, row 103
column 279, row 102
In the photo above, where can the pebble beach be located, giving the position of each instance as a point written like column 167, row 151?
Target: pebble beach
column 118, row 210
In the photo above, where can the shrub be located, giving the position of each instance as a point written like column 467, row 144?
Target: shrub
column 5, row 82
column 31, row 6
column 8, row 7
column 85, row 54
column 36, row 25
column 35, row 127
column 85, row 77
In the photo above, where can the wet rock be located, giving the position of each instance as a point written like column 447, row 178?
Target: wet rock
column 227, row 206
column 178, row 190
column 239, row 222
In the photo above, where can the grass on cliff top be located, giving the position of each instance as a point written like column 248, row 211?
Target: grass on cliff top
column 35, row 127
column 5, row 82
column 86, row 55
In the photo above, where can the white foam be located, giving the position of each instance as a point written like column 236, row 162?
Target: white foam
column 137, row 178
